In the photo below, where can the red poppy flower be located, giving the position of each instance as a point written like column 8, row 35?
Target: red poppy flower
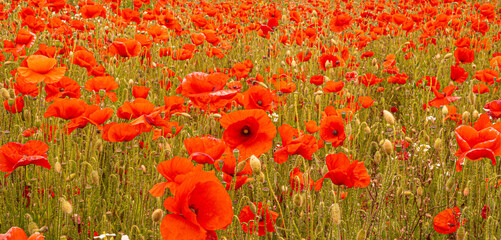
column 265, row 219
column 317, row 80
column 14, row 155
column 312, row 127
column 206, row 89
column 464, row 55
column 333, row 86
column 294, row 143
column 328, row 60
column 488, row 76
column 107, row 84
column 92, row 11
column 25, row 88
column 458, row 74
column 66, row 87
column 119, row 132
column 475, row 143
column 344, row 172
column 200, row 205
column 249, row 131
column 445, row 98
column 125, row 47
column 85, row 59
column 369, row 79
column 259, row 97
column 493, row 108
column 41, row 69
column 16, row 233
column 340, row 22
column 66, row 108
column 332, row 130
column 140, row 91
column 204, row 149
column 14, row 106
column 297, row 180
column 447, row 221
column 172, row 170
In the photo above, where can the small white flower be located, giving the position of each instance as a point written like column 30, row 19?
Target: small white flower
column 431, row 118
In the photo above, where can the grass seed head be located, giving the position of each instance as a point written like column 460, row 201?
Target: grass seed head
column 336, row 214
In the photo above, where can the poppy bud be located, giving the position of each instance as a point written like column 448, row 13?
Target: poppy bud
column 387, row 146
column 466, row 116
column 361, row 234
column 241, row 166
column 131, row 82
column 99, row 145
column 438, row 144
column 318, row 98
column 255, row 164
column 66, row 206
column 12, row 92
column 94, row 177
column 408, row 139
column 57, row 167
column 43, row 229
column 475, row 115
column 374, row 62
column 5, row 93
column 297, row 200
column 288, row 53
column 10, row 102
column 71, row 177
column 32, row 227
column 336, row 214
column 215, row 115
column 466, row 191
column 445, row 110
column 408, row 193
column 419, row 191
column 253, row 208
column 461, row 234
column 293, row 63
column 399, row 191
column 367, row 130
column 474, row 66
column 377, row 157
column 390, row 119
column 262, row 178
column 157, row 215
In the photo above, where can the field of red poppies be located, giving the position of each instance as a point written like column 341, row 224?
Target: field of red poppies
column 249, row 119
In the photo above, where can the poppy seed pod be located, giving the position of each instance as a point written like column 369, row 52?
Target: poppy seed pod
column 387, row 146
column 336, row 214
column 157, row 215
column 66, row 206
column 390, row 119
column 255, row 164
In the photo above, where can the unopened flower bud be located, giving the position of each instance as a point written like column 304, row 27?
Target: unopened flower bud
column 361, row 234
column 336, row 214
column 377, row 157
column 157, row 215
column 419, row 191
column 390, row 119
column 94, row 177
column 461, row 234
column 32, row 227
column 57, row 167
column 445, row 110
column 298, row 200
column 438, row 144
column 66, row 206
column 475, row 115
column 5, row 93
column 255, row 164
column 387, row 146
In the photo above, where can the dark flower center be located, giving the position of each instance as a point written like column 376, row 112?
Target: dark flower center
column 61, row 89
column 193, row 209
column 260, row 103
column 334, row 132
column 246, row 131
